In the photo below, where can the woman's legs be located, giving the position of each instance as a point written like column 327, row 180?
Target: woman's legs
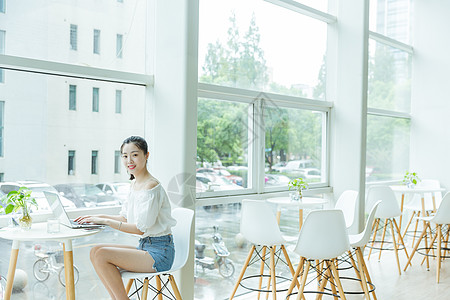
column 106, row 259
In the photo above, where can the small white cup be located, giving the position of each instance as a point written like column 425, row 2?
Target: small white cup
column 52, row 225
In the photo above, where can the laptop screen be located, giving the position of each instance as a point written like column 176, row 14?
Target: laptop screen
column 58, row 210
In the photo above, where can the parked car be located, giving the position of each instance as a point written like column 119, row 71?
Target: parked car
column 296, row 165
column 37, row 191
column 310, row 173
column 214, row 183
column 119, row 190
column 276, row 167
column 86, row 195
column 276, row 179
column 220, row 171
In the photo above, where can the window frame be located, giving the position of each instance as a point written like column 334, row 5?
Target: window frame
column 118, row 109
column 94, row 162
column 119, row 46
column 2, row 128
column 73, row 37
column 72, row 97
column 117, row 162
column 95, row 99
column 2, row 51
column 96, row 41
column 71, row 162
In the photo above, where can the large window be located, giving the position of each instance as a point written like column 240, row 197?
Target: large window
column 118, row 101
column 2, row 122
column 2, row 51
column 389, row 90
column 94, row 162
column 119, row 45
column 240, row 45
column 71, row 162
column 96, row 45
column 72, row 97
column 95, row 99
column 2, row 6
column 117, row 161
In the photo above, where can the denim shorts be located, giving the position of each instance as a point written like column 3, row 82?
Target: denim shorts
column 161, row 249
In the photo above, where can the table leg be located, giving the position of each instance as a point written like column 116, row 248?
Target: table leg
column 11, row 269
column 401, row 209
column 68, row 269
column 278, row 216
column 300, row 219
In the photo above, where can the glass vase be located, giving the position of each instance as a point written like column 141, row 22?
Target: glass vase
column 25, row 220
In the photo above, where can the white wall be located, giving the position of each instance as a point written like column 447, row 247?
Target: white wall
column 430, row 107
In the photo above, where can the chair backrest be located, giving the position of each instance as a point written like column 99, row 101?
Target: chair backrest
column 388, row 207
column 181, row 235
column 368, row 228
column 347, row 202
column 428, row 197
column 259, row 224
column 323, row 235
column 443, row 213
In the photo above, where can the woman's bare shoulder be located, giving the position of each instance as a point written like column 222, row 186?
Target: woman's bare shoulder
column 151, row 184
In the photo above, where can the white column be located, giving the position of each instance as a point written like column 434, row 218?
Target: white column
column 172, row 127
column 349, row 115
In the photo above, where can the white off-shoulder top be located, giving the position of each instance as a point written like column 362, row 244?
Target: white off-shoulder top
column 150, row 210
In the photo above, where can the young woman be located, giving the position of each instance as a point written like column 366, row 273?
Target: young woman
column 147, row 213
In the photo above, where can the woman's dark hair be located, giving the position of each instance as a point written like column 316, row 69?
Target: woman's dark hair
column 139, row 142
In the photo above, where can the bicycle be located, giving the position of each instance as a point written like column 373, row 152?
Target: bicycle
column 51, row 262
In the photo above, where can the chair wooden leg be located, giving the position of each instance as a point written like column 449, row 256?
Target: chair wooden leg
column 331, row 280
column 362, row 277
column 175, row 287
column 261, row 270
column 336, row 278
column 272, row 272
column 415, row 228
column 400, row 238
column 357, row 270
column 426, row 244
column 249, row 256
column 424, row 232
column 129, row 284
column 438, row 268
column 324, row 280
column 366, row 273
column 382, row 238
column 376, row 223
column 288, row 261
column 158, row 287
column 302, row 284
column 145, row 289
column 395, row 247
column 295, row 276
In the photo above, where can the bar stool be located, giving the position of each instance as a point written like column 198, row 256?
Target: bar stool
column 322, row 238
column 388, row 210
column 441, row 219
column 259, row 226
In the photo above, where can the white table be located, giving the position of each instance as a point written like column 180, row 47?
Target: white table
column 403, row 189
column 306, row 202
column 38, row 232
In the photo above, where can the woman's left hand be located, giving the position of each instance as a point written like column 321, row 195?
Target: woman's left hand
column 94, row 220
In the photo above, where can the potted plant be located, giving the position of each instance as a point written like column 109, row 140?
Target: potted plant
column 411, row 179
column 299, row 184
column 20, row 200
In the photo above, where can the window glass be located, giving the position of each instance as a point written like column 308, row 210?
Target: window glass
column 2, row 5
column 118, row 101
column 294, row 145
column 392, row 18
column 72, row 97
column 63, row 140
column 62, row 31
column 2, row 117
column 95, row 99
column 240, row 45
column 119, row 45
column 94, row 162
column 2, row 51
column 96, row 41
column 222, row 145
column 389, row 78
column 317, row 4
column 387, row 155
column 116, row 161
column 73, row 37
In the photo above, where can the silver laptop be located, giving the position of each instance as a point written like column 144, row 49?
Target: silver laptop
column 59, row 212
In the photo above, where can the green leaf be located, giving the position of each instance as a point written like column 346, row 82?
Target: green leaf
column 9, row 209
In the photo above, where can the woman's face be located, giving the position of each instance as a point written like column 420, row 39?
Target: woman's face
column 134, row 159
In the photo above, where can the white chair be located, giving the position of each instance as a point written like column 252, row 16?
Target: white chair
column 431, row 202
column 181, row 237
column 322, row 238
column 347, row 202
column 358, row 242
column 259, row 226
column 387, row 210
column 441, row 219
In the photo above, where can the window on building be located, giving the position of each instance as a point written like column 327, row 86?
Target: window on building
column 119, row 45
column 120, row 1
column 95, row 99
column 2, row 51
column 71, row 169
column 72, row 97
column 96, row 41
column 94, row 162
column 2, row 6
column 2, row 177
column 73, row 37
column 2, row 122
column 116, row 162
column 118, row 101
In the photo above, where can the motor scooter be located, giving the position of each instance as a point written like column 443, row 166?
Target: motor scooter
column 220, row 261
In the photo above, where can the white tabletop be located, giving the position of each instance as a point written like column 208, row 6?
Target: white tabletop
column 306, row 202
column 38, row 232
column 416, row 190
